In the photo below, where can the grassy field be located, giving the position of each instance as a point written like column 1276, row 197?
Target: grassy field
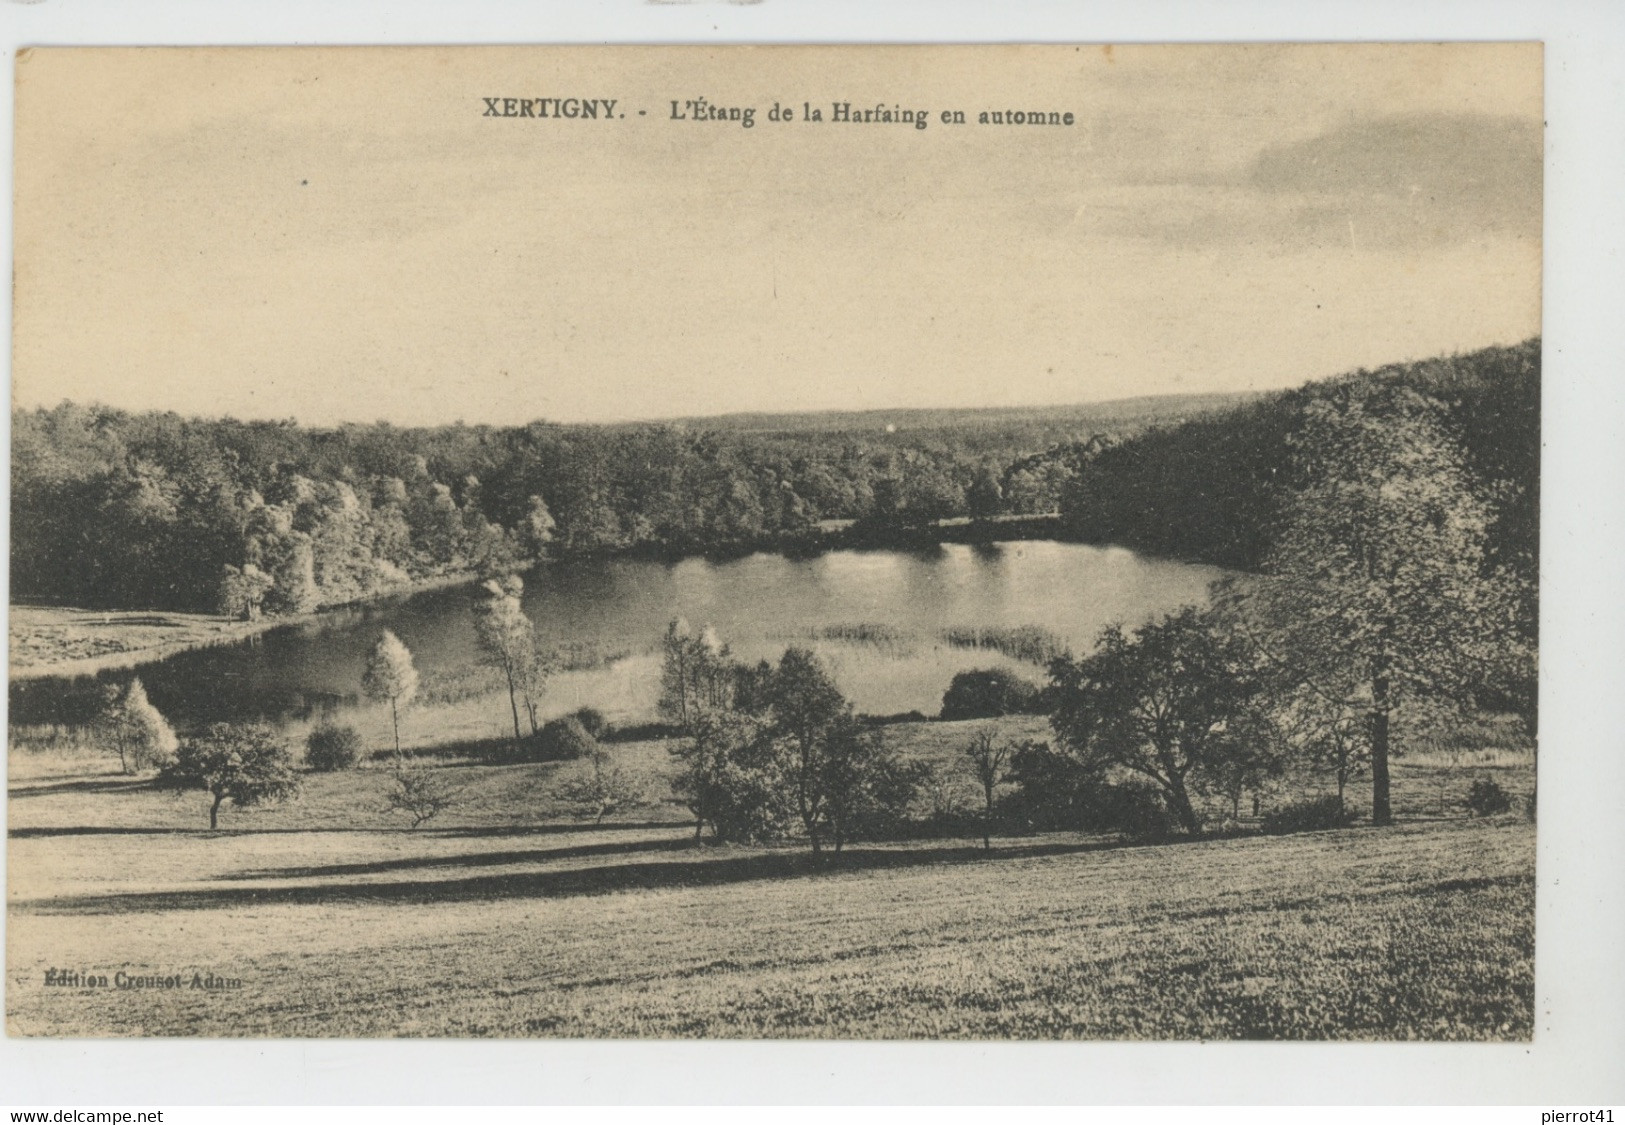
column 54, row 640
column 512, row 916
column 61, row 640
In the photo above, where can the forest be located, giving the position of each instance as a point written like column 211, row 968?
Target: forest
column 153, row 510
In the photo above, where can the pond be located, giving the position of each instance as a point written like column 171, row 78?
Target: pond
column 894, row 627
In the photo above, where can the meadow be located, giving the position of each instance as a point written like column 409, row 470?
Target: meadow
column 513, row 915
column 63, row 640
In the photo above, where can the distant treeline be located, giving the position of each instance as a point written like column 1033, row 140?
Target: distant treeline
column 155, row 510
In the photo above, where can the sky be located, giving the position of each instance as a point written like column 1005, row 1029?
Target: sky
column 341, row 235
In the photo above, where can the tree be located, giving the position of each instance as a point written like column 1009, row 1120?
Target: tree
column 806, row 706
column 1325, row 726
column 867, row 788
column 1378, row 581
column 133, row 728
column 391, row 677
column 605, row 788
column 840, row 777
column 736, row 777
column 243, row 590
column 536, row 528
column 293, row 588
column 419, row 793
column 985, row 496
column 987, row 756
column 247, row 765
column 677, row 654
column 697, row 674
column 1247, row 756
column 1157, row 702
column 508, row 641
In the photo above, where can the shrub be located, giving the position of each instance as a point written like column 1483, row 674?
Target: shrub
column 592, row 721
column 1486, row 798
column 894, row 718
column 987, row 693
column 419, row 793
column 879, row 805
column 564, row 740
column 329, row 748
column 1134, row 810
column 603, row 789
column 1309, row 816
column 1054, row 790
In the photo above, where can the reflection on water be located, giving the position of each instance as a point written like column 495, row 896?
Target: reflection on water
column 619, row 608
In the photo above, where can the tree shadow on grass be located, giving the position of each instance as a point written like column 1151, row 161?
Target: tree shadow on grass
column 469, row 832
column 642, row 876
column 120, row 783
column 474, row 859
column 477, row 830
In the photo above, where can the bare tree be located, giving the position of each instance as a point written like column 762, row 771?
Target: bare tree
column 605, row 789
column 988, row 756
column 419, row 793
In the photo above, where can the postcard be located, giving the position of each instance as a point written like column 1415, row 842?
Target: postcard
column 828, row 542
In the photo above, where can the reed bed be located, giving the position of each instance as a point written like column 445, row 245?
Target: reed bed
column 1027, row 643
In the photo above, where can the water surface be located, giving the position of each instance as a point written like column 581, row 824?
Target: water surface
column 613, row 613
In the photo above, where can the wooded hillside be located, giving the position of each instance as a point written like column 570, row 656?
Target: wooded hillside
column 158, row 511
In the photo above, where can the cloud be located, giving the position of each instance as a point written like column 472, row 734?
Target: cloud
column 1397, row 183
column 1484, row 168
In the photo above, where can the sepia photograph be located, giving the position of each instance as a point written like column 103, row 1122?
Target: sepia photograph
column 776, row 542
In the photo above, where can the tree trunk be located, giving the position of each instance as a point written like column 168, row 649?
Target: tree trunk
column 214, row 812
column 513, row 702
column 1382, row 812
column 987, row 819
column 807, row 807
column 395, row 721
column 1179, row 803
column 682, row 689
